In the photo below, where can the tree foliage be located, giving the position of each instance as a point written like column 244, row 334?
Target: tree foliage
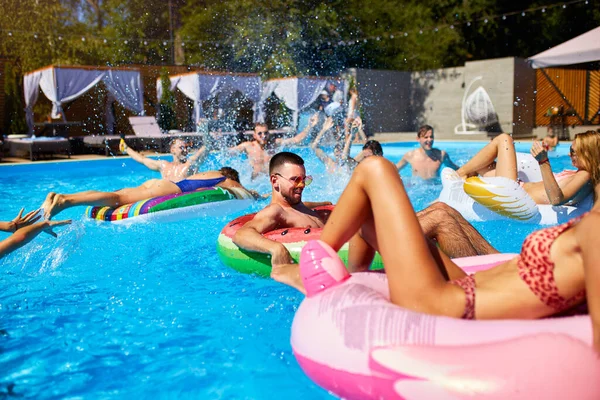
column 284, row 37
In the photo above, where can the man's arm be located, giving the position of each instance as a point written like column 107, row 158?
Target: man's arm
column 250, row 236
column 403, row 162
column 312, row 122
column 446, row 160
column 238, row 149
column 154, row 165
column 198, row 158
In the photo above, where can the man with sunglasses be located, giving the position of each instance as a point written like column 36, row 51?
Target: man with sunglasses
column 288, row 180
column 259, row 150
column 440, row 223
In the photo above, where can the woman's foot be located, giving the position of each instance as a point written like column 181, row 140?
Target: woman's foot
column 320, row 267
column 53, row 204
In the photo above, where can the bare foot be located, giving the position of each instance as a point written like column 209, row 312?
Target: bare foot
column 46, row 204
column 288, row 274
column 56, row 205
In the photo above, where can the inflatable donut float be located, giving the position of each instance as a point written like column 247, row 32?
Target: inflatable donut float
column 293, row 239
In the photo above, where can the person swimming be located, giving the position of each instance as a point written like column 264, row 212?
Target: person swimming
column 425, row 161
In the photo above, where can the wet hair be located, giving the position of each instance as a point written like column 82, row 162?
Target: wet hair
column 262, row 125
column 374, row 146
column 587, row 147
column 284, row 157
column 423, row 130
column 230, row 173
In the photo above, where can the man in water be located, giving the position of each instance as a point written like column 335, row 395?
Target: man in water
column 426, row 161
column 259, row 150
column 180, row 168
column 441, row 223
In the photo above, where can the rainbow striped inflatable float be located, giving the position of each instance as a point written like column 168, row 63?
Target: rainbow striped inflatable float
column 212, row 201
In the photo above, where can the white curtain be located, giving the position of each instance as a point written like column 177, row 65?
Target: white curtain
column 61, row 85
column 31, row 87
column 126, row 87
column 259, row 108
column 249, row 86
column 199, row 88
column 299, row 93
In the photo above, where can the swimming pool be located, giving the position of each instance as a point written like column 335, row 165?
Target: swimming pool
column 148, row 310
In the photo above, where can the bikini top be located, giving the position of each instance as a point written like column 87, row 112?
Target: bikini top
column 537, row 269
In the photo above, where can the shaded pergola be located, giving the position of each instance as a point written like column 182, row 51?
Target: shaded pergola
column 63, row 84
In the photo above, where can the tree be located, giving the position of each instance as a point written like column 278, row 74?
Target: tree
column 167, row 118
column 13, row 107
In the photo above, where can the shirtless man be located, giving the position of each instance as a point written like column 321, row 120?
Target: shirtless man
column 440, row 223
column 226, row 177
column 426, row 160
column 180, row 168
column 257, row 150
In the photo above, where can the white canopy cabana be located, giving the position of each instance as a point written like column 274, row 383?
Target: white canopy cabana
column 201, row 86
column 297, row 93
column 62, row 84
column 581, row 49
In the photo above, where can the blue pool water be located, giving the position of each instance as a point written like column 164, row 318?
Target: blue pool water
column 148, row 310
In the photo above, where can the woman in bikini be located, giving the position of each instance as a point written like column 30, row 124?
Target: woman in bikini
column 568, row 187
column 226, row 178
column 557, row 266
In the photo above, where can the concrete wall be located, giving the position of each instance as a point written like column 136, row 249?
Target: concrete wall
column 386, row 99
column 436, row 100
column 435, row 97
column 524, row 98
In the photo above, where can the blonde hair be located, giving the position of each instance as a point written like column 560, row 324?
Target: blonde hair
column 587, row 146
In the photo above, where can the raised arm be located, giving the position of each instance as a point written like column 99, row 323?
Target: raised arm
column 154, row 165
column 590, row 252
column 238, row 149
column 556, row 195
column 198, row 158
column 299, row 138
column 24, row 235
column 446, row 160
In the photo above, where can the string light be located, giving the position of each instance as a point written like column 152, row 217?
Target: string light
column 391, row 35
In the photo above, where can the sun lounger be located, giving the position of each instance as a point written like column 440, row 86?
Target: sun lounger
column 32, row 148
